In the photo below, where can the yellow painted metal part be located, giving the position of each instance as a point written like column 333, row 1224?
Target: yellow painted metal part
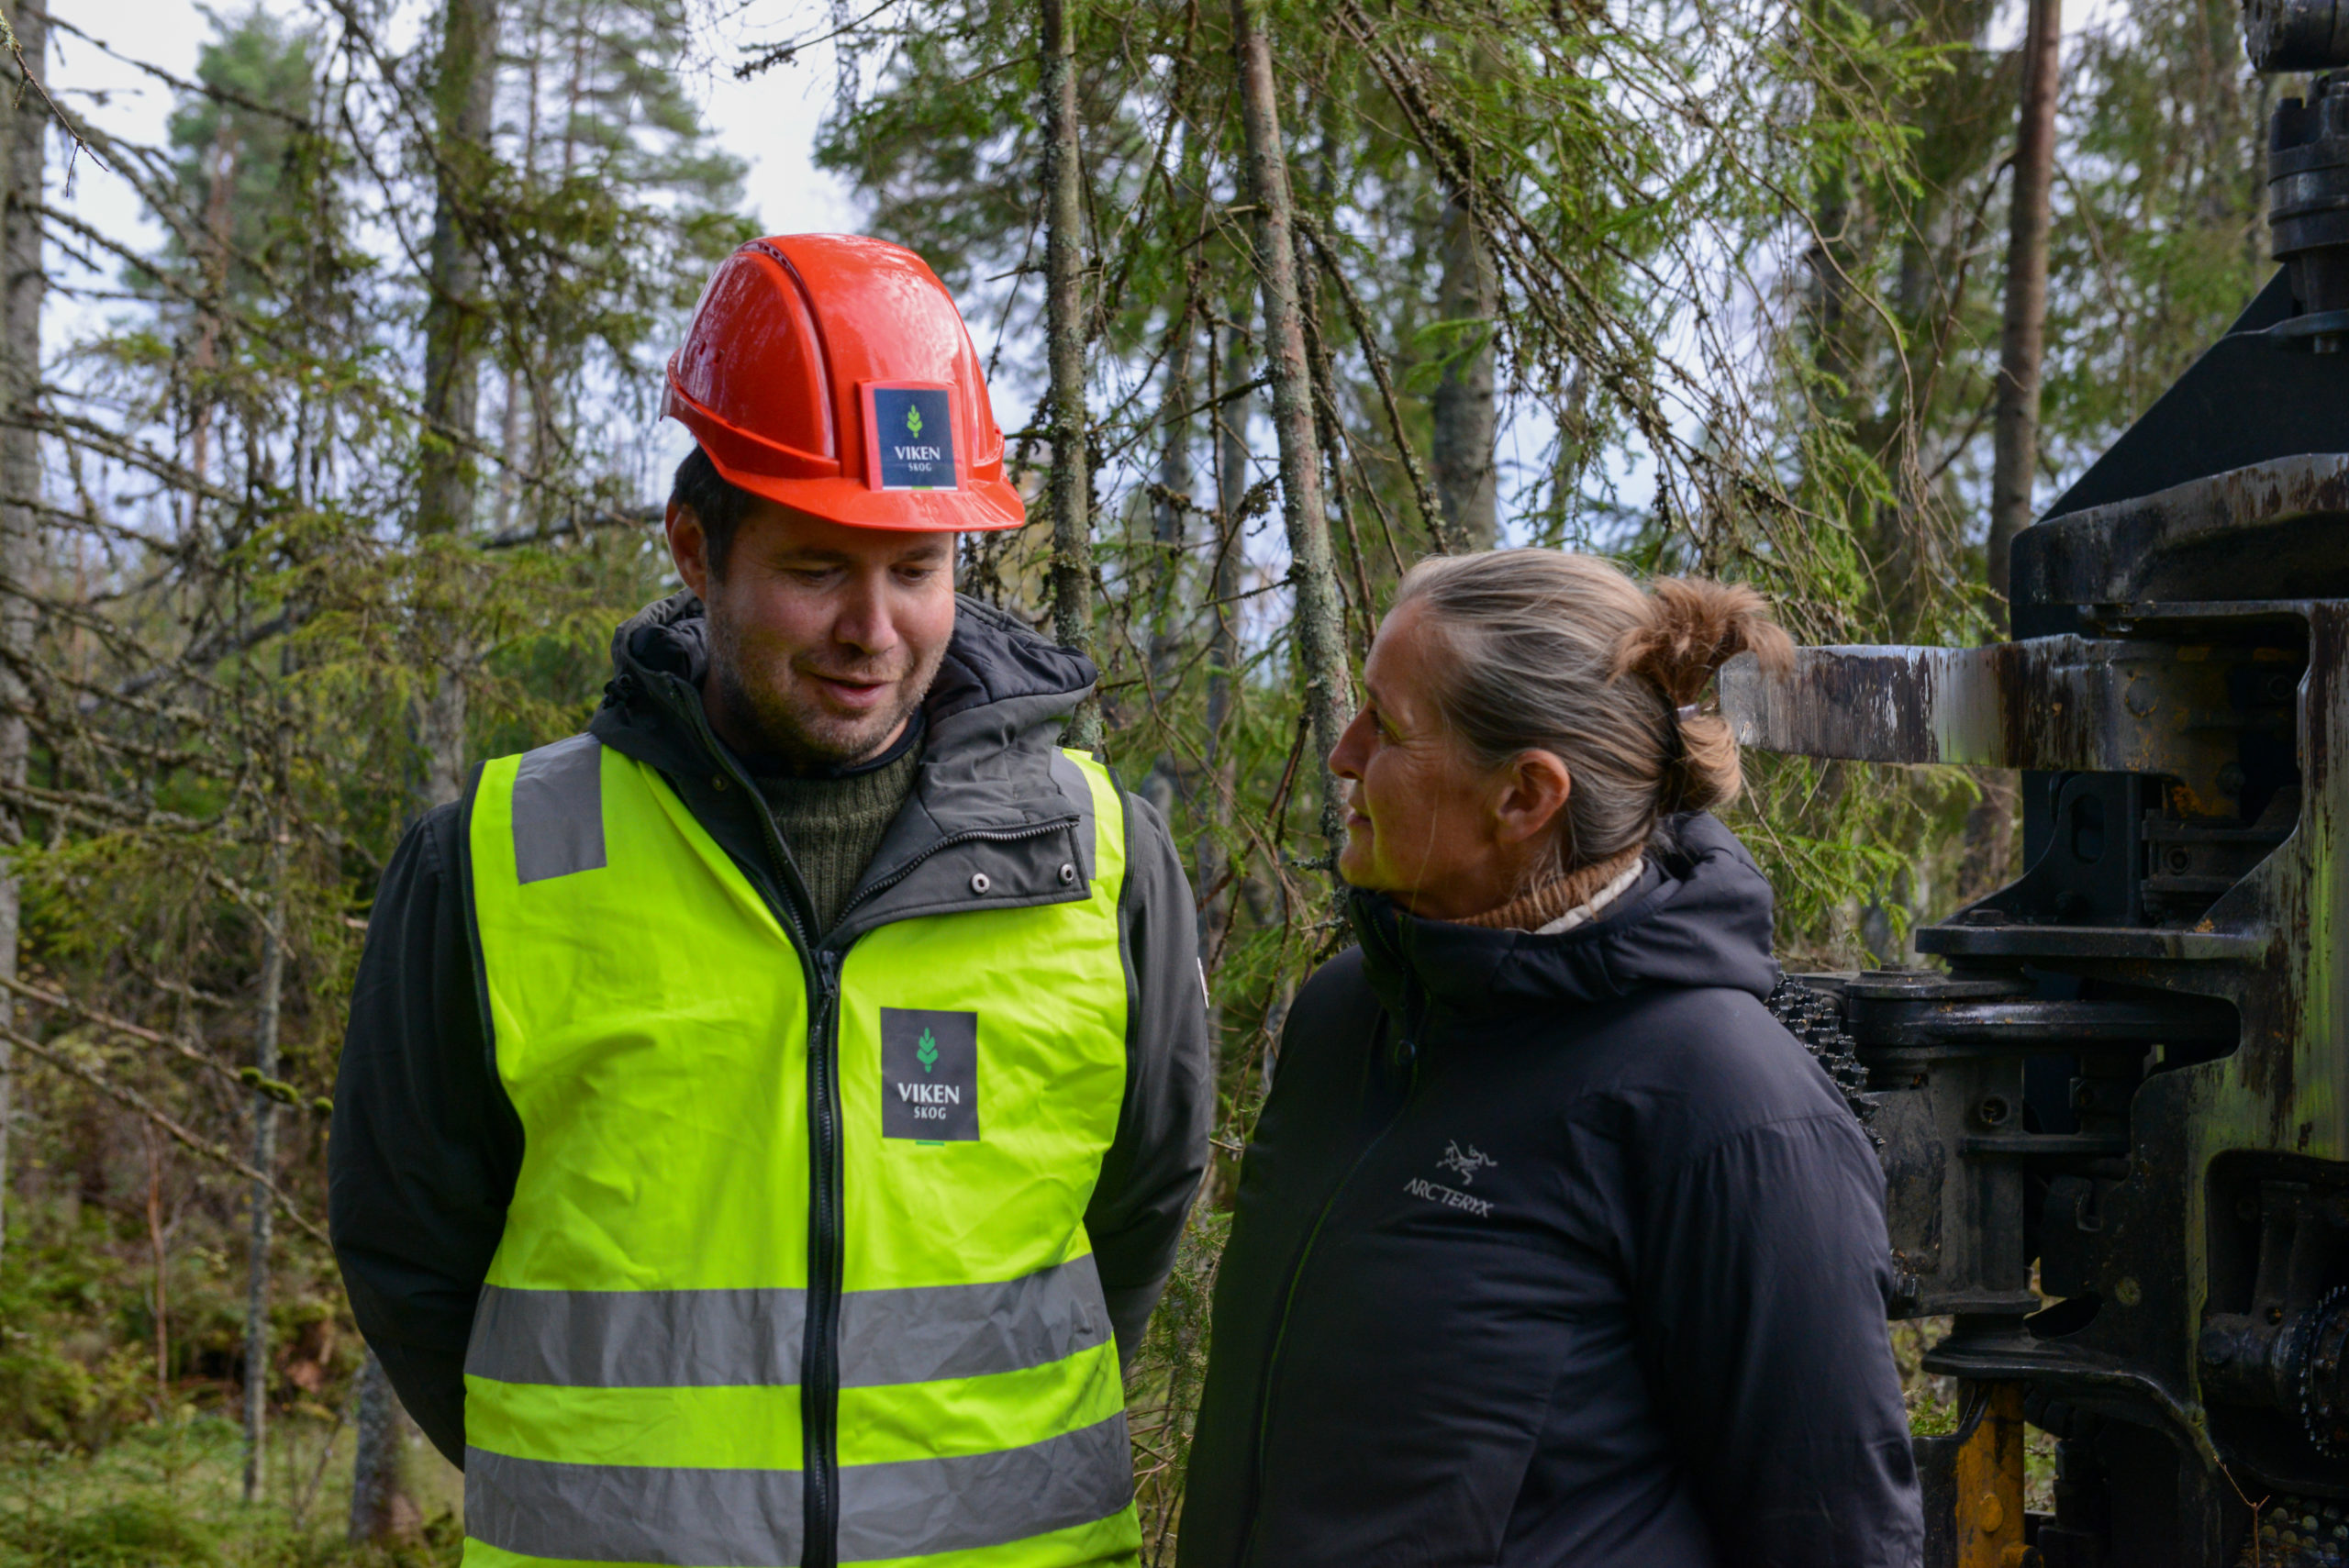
column 1990, row 1483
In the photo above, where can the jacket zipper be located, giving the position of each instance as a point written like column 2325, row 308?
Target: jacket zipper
column 1297, row 1274
column 820, row 1358
column 819, row 1352
column 819, row 1403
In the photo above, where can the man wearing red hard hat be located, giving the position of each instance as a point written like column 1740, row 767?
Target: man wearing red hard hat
column 766, row 1118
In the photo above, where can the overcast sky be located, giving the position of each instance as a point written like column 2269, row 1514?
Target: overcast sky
column 769, row 122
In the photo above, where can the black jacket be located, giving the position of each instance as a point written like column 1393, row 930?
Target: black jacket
column 426, row 1145
column 1558, row 1252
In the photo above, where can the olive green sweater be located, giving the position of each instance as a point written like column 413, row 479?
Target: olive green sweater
column 832, row 823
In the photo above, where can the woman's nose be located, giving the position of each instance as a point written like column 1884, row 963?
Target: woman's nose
column 1346, row 758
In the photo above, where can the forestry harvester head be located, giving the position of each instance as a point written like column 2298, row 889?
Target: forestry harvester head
column 2115, row 1129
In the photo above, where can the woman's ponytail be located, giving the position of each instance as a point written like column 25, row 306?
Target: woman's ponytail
column 1694, row 627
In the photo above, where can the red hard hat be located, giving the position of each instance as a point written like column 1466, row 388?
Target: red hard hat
column 832, row 374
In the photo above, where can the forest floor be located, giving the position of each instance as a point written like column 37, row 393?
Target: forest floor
column 168, row 1494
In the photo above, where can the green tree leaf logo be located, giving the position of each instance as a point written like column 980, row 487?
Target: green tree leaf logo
column 913, row 427
column 927, row 1051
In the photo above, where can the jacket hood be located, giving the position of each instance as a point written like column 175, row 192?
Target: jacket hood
column 991, row 762
column 1699, row 917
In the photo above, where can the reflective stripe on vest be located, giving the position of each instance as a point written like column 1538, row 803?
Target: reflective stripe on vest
column 632, row 1388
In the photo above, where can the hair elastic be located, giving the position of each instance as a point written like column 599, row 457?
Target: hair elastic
column 1676, row 746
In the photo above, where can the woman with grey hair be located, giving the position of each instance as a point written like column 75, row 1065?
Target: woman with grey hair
column 1551, row 1247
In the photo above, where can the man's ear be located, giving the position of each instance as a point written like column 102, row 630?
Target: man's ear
column 1533, row 788
column 688, row 547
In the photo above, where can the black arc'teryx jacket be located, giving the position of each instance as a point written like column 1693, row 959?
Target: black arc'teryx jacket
column 1555, row 1253
column 426, row 1145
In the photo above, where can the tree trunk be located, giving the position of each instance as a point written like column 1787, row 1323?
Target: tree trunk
column 20, row 483
column 1321, row 610
column 441, row 717
column 159, row 1254
column 381, row 1508
column 1990, row 827
column 1333, row 456
column 222, row 168
column 1070, row 484
column 264, row 1156
column 1463, row 409
column 464, row 98
column 1166, row 515
column 1223, row 665
column 2021, row 338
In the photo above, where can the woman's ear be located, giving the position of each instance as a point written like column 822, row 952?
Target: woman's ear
column 1533, row 792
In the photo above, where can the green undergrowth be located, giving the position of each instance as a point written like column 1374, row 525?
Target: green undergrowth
column 168, row 1493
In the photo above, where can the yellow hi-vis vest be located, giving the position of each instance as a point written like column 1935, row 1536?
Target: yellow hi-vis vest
column 658, row 1371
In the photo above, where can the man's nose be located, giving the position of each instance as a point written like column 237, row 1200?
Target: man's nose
column 864, row 622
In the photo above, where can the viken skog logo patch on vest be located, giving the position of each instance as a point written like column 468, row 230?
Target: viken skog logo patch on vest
column 930, row 1070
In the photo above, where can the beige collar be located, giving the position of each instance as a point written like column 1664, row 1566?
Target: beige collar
column 1574, row 899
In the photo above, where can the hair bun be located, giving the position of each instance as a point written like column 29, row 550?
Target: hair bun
column 1694, row 627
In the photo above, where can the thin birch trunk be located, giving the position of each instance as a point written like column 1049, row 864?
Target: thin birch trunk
column 1071, row 484
column 1462, row 420
column 208, row 337
column 464, row 98
column 264, row 1155
column 464, row 95
column 509, row 410
column 1333, row 457
column 380, row 1507
column 1320, row 609
column 159, row 1256
column 1166, row 515
column 1169, row 621
column 1214, row 892
column 21, row 292
column 2022, row 337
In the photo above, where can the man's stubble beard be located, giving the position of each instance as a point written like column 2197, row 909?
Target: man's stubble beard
column 784, row 722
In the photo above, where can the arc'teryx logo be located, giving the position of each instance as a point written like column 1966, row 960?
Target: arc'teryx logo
column 1463, row 1164
column 1466, row 1165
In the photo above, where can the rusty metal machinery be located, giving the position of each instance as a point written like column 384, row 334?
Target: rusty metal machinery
column 2115, row 1127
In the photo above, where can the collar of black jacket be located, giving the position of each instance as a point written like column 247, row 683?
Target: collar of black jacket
column 1699, row 917
column 991, row 760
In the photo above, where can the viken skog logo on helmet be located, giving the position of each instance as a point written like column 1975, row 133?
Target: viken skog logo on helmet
column 929, row 1076
column 909, row 437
